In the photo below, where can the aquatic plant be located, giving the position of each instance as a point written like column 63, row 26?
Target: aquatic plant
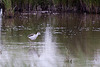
column 90, row 6
column 8, row 8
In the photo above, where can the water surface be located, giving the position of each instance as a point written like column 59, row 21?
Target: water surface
column 66, row 40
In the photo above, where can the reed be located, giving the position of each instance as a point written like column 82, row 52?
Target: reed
column 9, row 12
column 84, row 5
column 92, row 5
column 7, row 4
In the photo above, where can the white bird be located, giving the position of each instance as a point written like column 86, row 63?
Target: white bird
column 0, row 11
column 33, row 36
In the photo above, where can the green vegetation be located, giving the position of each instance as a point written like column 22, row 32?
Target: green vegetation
column 89, row 6
column 9, row 12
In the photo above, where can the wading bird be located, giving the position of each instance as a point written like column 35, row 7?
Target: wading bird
column 33, row 36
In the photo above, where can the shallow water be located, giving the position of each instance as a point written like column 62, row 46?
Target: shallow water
column 66, row 40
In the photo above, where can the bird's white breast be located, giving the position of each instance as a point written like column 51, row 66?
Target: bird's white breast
column 33, row 37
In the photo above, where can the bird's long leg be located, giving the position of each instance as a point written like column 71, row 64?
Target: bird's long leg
column 29, row 41
column 36, row 52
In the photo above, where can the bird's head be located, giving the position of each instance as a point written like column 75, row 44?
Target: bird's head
column 38, row 33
